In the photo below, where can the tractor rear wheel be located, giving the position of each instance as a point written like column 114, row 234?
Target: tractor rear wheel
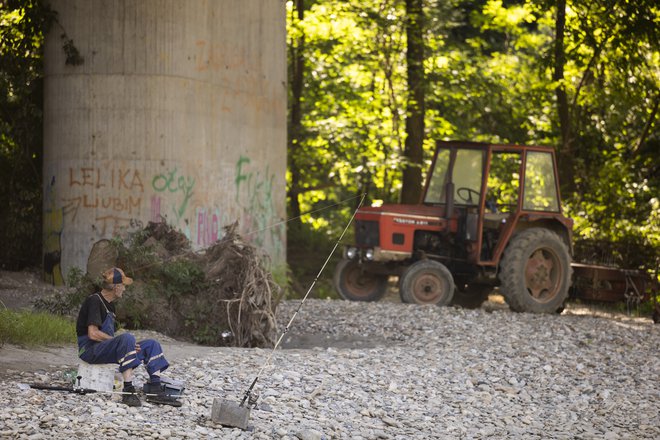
column 427, row 282
column 353, row 283
column 535, row 272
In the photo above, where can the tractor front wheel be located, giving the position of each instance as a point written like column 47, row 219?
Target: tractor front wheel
column 427, row 282
column 353, row 283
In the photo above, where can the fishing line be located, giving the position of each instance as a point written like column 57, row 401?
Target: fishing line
column 306, row 213
column 286, row 329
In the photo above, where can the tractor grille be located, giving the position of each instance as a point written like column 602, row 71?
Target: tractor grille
column 367, row 233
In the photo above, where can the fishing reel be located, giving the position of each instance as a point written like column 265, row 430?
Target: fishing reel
column 250, row 399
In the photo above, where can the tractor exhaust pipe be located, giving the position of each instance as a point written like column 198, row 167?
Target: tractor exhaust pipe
column 449, row 198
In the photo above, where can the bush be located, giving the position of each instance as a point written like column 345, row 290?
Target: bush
column 222, row 296
column 67, row 303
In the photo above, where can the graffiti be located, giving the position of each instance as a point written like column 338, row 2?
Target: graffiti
column 207, row 227
column 135, row 223
column 73, row 205
column 156, row 217
column 113, row 224
column 101, row 178
column 171, row 183
column 94, row 179
column 53, row 226
column 256, row 202
column 240, row 177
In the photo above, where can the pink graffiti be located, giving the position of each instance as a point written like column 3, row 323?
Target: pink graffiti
column 155, row 210
column 207, row 227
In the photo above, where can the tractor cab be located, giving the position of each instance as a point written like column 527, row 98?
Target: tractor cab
column 490, row 190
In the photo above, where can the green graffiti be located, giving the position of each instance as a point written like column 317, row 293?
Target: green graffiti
column 239, row 173
column 254, row 195
column 171, row 183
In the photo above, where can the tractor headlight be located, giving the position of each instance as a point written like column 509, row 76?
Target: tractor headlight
column 369, row 254
column 351, row 253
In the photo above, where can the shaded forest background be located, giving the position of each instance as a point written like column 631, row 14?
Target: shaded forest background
column 374, row 83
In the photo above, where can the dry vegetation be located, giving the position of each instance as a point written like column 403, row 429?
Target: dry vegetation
column 224, row 295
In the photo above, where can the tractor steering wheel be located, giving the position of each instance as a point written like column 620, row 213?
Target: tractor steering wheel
column 469, row 192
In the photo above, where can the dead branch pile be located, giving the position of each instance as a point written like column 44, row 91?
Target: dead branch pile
column 221, row 296
column 166, row 236
column 241, row 284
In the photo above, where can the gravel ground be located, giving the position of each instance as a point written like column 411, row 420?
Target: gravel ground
column 393, row 371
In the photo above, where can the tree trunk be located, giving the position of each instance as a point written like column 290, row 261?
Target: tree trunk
column 297, row 65
column 413, row 152
column 565, row 155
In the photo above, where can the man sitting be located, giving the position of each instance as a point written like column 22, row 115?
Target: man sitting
column 97, row 343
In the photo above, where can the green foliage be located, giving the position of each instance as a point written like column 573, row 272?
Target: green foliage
column 181, row 276
column 23, row 25
column 134, row 254
column 137, row 306
column 489, row 70
column 67, row 302
column 31, row 329
column 353, row 100
column 199, row 296
column 307, row 249
column 163, row 278
column 201, row 324
column 281, row 278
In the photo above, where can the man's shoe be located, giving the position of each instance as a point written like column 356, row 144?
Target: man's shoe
column 130, row 399
column 162, row 398
column 157, row 394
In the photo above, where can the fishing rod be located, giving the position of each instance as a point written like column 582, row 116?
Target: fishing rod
column 83, row 391
column 69, row 389
column 248, row 393
column 78, row 389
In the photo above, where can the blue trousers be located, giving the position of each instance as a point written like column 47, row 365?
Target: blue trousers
column 121, row 350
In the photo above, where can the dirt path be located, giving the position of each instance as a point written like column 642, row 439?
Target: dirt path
column 22, row 359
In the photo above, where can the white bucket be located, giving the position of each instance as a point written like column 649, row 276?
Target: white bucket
column 99, row 377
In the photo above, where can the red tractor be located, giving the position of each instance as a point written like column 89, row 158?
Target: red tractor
column 490, row 216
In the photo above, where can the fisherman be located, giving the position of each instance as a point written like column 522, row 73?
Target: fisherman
column 97, row 343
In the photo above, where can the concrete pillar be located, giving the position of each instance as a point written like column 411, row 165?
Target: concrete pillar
column 178, row 110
